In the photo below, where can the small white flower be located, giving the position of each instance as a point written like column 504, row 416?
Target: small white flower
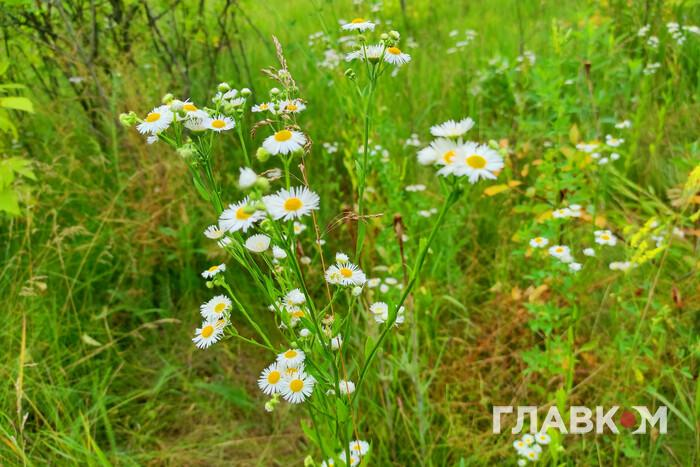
column 220, row 123
column 575, row 267
column 538, row 242
column 358, row 24
column 295, row 297
column 341, row 258
column 589, row 252
column 247, row 178
column 345, row 274
column 542, row 438
column 297, row 388
column 359, row 447
column 292, row 358
column 605, row 237
column 207, row 335
column 346, row 387
column 291, row 204
column 214, row 232
column 213, row 271
column 215, row 309
column 336, row 342
column 451, row 128
column 278, row 253
column 270, row 380
column 293, row 106
column 560, row 251
column 239, row 216
column 395, row 56
column 157, row 120
column 299, row 227
column 284, row 142
column 373, row 282
column 257, row 243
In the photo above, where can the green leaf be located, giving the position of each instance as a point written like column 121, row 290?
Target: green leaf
column 17, row 103
column 235, row 395
column 200, row 188
column 9, row 202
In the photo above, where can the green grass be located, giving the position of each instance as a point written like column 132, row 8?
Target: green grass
column 99, row 276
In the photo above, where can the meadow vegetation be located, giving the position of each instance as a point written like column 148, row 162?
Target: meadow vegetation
column 562, row 272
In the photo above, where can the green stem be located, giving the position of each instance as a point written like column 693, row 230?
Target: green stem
column 363, row 175
column 247, row 316
column 451, row 199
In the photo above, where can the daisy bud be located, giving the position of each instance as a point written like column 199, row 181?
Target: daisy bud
column 186, row 152
column 223, row 87
column 168, row 98
column 384, row 37
column 309, row 461
column 274, row 91
column 356, row 291
column 262, row 154
column 247, row 178
column 350, row 74
column 395, row 35
column 361, row 38
column 229, row 108
column 209, row 284
column 262, row 183
column 129, row 119
column 246, row 92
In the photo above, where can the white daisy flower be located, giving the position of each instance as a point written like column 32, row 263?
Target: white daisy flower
column 292, row 106
column 345, row 274
column 284, row 142
column 575, row 267
column 246, row 178
column 358, row 24
column 478, row 162
column 207, row 335
column 560, row 251
column 373, row 53
column 297, row 388
column 538, row 242
column 158, row 119
column 623, row 124
column 451, row 128
column 522, row 462
column 379, row 308
column 336, row 342
column 359, row 447
column 305, row 260
column 531, row 455
column 383, row 288
column 394, row 56
column 293, row 203
column 562, row 213
column 220, row 123
column 214, row 232
column 442, row 151
column 542, row 438
column 257, row 243
column 299, row 227
column 239, row 217
column 197, row 120
column 291, row 358
column 589, row 252
column 614, row 156
column 278, row 253
column 414, row 188
column 215, row 308
column 295, row 297
column 264, row 107
column 304, row 332
column 621, row 265
column 529, row 439
column 391, row 280
column 605, row 237
column 520, row 446
column 612, row 141
column 373, row 282
column 270, row 380
column 213, row 271
column 354, row 458
column 346, row 387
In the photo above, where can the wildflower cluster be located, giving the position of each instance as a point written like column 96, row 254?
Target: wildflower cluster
column 529, row 447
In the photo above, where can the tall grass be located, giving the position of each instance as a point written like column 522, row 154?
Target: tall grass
column 99, row 276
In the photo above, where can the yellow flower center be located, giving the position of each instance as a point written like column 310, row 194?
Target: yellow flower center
column 241, row 214
column 292, row 107
column 296, row 385
column 476, row 161
column 358, row 21
column 394, row 50
column 605, row 237
column 219, row 307
column 298, row 314
column 293, row 204
column 264, row 106
column 153, row 117
column 346, row 272
column 448, row 157
column 273, row 377
column 291, row 353
column 559, row 250
column 218, row 123
column 207, row 331
column 291, row 371
column 284, row 135
column 189, row 107
column 213, row 268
